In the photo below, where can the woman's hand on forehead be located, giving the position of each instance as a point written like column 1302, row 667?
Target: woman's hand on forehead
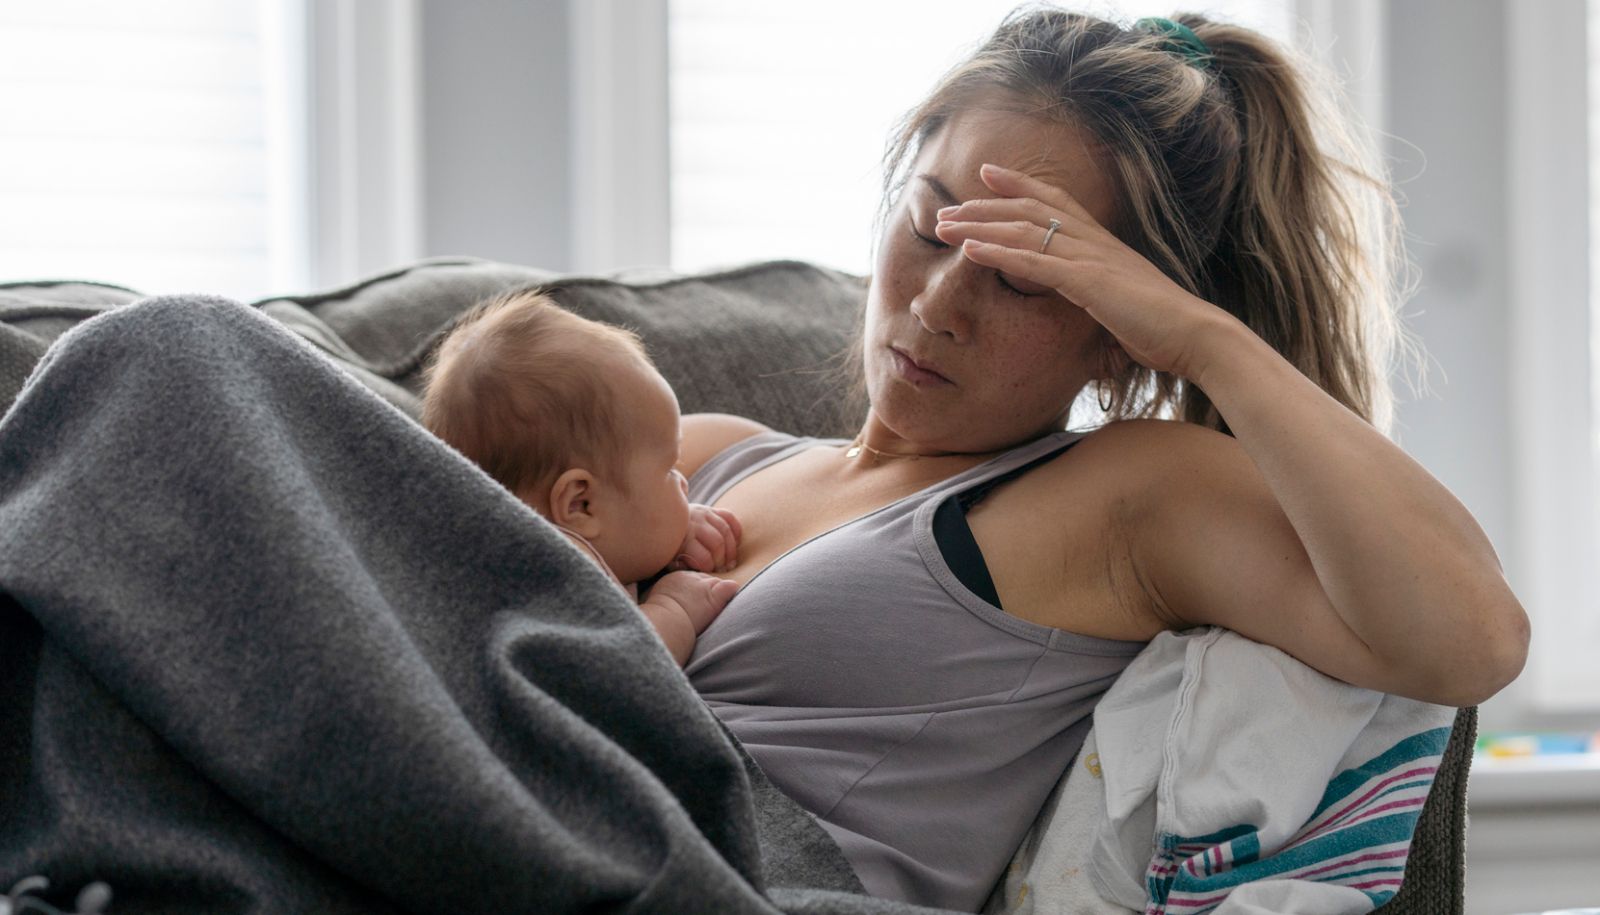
column 1039, row 233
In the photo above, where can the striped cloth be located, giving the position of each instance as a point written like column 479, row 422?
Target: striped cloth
column 1302, row 799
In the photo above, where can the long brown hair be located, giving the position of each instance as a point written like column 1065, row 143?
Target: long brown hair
column 1242, row 176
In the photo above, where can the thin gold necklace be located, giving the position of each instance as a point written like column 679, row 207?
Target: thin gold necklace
column 858, row 446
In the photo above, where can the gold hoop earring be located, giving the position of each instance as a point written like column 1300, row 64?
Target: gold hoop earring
column 1099, row 389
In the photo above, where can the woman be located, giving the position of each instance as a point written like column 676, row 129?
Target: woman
column 1082, row 204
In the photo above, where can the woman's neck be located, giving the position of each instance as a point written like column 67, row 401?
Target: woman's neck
column 877, row 444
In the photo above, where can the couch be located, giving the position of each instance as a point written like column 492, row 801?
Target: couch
column 761, row 340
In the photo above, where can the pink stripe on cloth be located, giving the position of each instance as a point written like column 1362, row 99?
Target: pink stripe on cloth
column 1179, row 902
column 1300, row 875
column 1369, row 814
column 1392, row 881
column 1328, row 822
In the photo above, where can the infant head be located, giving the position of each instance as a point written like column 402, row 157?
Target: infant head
column 572, row 417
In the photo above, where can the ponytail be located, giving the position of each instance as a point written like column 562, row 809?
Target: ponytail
column 1309, row 248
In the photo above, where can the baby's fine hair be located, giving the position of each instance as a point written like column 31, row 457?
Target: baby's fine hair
column 518, row 387
column 1242, row 175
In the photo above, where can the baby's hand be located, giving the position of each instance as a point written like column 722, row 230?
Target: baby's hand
column 682, row 604
column 712, row 543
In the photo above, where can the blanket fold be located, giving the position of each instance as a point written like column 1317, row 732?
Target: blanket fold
column 1304, row 799
column 266, row 645
column 1186, row 801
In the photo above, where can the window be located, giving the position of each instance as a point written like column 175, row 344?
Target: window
column 153, row 144
column 780, row 113
column 1555, row 201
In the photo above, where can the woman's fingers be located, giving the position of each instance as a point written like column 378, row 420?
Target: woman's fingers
column 1009, row 183
column 1024, row 235
column 1035, row 275
column 1044, row 270
column 1003, row 209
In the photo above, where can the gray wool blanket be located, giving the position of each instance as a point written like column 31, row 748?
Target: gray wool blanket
column 267, row 646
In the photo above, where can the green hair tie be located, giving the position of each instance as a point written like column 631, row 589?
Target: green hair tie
column 1180, row 40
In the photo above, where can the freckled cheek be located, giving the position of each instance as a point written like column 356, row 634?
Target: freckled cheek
column 1030, row 356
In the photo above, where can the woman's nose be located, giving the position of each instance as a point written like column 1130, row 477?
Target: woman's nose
column 943, row 306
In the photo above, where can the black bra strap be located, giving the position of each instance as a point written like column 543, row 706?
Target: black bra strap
column 975, row 495
column 961, row 553
column 954, row 536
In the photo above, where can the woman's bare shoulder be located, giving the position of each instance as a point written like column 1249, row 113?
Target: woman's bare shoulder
column 1139, row 462
column 706, row 434
column 1060, row 536
column 1135, row 436
column 1122, row 455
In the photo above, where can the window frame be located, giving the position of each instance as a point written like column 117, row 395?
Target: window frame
column 363, row 148
column 621, row 212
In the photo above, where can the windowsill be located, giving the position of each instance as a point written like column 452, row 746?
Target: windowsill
column 1562, row 779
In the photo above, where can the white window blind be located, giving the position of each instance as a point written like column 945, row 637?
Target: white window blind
column 780, row 113
column 157, row 144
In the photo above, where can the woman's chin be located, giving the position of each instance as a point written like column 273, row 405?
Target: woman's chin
column 916, row 425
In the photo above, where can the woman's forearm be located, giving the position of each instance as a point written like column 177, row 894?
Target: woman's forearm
column 1402, row 561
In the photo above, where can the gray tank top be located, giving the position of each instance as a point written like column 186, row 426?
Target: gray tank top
column 922, row 725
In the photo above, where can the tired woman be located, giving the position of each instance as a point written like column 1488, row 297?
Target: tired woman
column 1163, row 214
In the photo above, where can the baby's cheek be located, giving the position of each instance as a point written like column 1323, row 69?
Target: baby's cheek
column 675, row 526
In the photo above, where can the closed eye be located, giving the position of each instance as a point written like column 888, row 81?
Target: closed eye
column 1001, row 277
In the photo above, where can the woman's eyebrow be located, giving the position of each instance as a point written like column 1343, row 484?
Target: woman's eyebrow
column 939, row 190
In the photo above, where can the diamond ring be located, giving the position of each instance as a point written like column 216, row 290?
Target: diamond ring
column 1049, row 233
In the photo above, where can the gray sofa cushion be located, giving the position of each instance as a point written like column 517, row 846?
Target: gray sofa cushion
column 755, row 340
column 34, row 314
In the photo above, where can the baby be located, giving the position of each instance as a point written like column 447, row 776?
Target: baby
column 572, row 417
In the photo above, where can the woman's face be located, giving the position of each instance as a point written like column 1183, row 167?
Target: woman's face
column 1012, row 355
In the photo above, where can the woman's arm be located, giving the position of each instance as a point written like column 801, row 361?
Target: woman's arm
column 707, row 434
column 1312, row 532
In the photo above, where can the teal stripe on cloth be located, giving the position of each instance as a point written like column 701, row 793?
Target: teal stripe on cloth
column 1418, row 746
column 1349, row 842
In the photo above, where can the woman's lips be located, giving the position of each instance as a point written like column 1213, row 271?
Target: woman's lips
column 913, row 372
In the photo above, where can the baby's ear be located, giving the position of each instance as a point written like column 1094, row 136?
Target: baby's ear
column 570, row 497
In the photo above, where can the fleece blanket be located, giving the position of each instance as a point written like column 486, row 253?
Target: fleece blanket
column 1186, row 801
column 267, row 646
